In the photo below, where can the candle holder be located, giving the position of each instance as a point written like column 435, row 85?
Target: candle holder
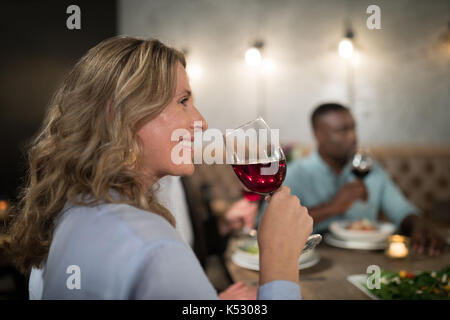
column 398, row 247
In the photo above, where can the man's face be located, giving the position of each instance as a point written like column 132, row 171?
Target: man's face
column 336, row 135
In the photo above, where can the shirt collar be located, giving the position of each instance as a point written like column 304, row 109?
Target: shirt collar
column 324, row 166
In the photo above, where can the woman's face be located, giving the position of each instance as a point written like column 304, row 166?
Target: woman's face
column 156, row 134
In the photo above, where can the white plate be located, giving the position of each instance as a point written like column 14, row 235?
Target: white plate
column 254, row 257
column 360, row 245
column 359, row 280
column 384, row 230
column 242, row 260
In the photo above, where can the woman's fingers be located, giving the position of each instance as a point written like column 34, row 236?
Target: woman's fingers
column 283, row 230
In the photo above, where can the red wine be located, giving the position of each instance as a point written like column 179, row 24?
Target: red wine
column 251, row 177
column 251, row 196
column 360, row 173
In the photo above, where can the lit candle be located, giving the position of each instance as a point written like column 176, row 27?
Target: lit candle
column 3, row 208
column 398, row 247
column 3, row 205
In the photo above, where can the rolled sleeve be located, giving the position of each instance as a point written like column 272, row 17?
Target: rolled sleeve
column 279, row 290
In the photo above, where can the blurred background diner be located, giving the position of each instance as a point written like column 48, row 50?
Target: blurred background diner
column 389, row 64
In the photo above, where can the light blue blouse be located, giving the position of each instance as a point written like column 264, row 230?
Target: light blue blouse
column 116, row 251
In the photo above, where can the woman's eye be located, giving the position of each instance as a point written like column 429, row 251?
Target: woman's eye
column 184, row 101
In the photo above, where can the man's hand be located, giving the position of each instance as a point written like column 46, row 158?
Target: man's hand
column 241, row 213
column 348, row 194
column 423, row 239
column 239, row 291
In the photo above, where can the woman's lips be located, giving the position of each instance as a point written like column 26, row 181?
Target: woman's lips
column 188, row 144
column 187, row 138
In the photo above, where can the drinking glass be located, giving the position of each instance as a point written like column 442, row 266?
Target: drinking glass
column 256, row 157
column 362, row 163
column 254, row 152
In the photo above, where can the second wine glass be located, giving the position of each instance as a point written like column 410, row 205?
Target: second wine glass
column 362, row 163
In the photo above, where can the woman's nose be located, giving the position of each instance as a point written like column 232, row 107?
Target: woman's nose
column 198, row 117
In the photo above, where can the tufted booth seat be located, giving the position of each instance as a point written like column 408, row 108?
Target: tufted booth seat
column 423, row 174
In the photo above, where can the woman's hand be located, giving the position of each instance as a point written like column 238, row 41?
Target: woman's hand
column 282, row 234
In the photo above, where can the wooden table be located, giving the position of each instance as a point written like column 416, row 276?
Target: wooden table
column 328, row 278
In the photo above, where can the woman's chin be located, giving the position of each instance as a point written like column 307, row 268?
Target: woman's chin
column 183, row 170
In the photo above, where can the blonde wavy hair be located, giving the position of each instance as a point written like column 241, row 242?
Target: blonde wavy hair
column 88, row 144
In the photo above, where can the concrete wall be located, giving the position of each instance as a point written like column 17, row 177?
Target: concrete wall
column 400, row 80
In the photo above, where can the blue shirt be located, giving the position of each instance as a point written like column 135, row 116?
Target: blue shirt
column 120, row 252
column 315, row 183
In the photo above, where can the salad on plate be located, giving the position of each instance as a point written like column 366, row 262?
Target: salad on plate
column 404, row 285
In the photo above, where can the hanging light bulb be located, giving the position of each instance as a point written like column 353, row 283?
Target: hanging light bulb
column 253, row 55
column 346, row 48
column 194, row 71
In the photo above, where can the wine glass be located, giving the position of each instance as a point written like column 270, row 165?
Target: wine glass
column 254, row 152
column 257, row 159
column 362, row 163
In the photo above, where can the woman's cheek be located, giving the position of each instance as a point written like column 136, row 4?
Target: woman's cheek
column 186, row 167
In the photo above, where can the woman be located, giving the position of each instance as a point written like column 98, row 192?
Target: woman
column 89, row 221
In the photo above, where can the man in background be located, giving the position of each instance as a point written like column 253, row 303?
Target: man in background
column 324, row 183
